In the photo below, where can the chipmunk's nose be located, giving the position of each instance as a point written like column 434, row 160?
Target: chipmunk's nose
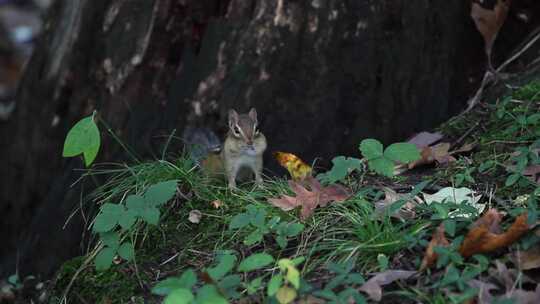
column 250, row 142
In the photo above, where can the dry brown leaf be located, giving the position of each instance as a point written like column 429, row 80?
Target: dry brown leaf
column 390, row 197
column 310, row 199
column 425, row 139
column 528, row 259
column 489, row 22
column 521, row 296
column 429, row 155
column 484, row 295
column 373, row 286
column 438, row 239
column 533, row 173
column 482, row 238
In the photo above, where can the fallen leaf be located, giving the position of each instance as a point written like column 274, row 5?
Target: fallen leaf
column 484, row 295
column 533, row 173
column 482, row 238
column 373, row 286
column 217, row 204
column 425, row 139
column 457, row 196
column 390, row 197
column 521, row 296
column 195, row 216
column 310, row 199
column 528, row 259
column 429, row 155
column 297, row 168
column 489, row 22
column 438, row 239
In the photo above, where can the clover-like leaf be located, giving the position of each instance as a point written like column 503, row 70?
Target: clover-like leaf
column 108, row 217
column 110, row 239
column 104, row 258
column 187, row 280
column 179, row 296
column 225, row 264
column 342, row 166
column 160, row 193
column 239, row 221
column 151, row 216
column 274, row 284
column 402, row 152
column 382, row 166
column 371, row 148
column 126, row 251
column 83, row 138
column 127, row 219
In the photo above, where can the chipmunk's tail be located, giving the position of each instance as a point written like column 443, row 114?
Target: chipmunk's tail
column 201, row 143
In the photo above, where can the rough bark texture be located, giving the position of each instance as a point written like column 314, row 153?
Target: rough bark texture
column 322, row 74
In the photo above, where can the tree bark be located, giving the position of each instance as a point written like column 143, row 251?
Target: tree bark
column 323, row 74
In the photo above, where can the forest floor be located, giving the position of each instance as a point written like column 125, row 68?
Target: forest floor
column 459, row 228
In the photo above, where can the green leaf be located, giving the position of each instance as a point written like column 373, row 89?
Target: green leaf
column 255, row 261
column 104, row 258
column 208, row 294
column 179, row 296
column 187, row 280
column 402, row 152
column 341, row 167
column 229, row 285
column 254, row 237
column 160, row 193
column 274, row 284
column 286, row 295
column 371, row 148
column 108, row 217
column 293, row 276
column 281, row 241
column 293, row 229
column 226, row 264
column 110, row 239
column 254, row 285
column 126, row 251
column 450, row 227
column 382, row 166
column 512, row 179
column 151, row 216
column 83, row 138
column 383, row 261
column 13, row 279
column 127, row 219
column 239, row 221
column 136, row 203
column 259, row 219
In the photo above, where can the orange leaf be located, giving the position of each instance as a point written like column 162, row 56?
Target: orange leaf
column 483, row 238
column 438, row 239
column 317, row 195
column 298, row 169
column 489, row 21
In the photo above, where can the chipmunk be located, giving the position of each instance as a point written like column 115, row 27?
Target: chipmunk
column 244, row 147
column 241, row 154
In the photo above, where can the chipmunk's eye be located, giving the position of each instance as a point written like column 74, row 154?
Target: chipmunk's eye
column 236, row 131
column 256, row 131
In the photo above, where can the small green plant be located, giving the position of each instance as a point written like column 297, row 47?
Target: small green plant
column 342, row 166
column 344, row 285
column 383, row 161
column 123, row 216
column 222, row 283
column 524, row 156
column 83, row 138
column 254, row 220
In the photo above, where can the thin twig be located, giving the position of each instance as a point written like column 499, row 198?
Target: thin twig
column 467, row 133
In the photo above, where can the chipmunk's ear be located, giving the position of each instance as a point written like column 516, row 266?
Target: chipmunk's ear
column 253, row 114
column 233, row 118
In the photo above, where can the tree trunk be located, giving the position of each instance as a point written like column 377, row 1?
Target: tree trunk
column 323, row 74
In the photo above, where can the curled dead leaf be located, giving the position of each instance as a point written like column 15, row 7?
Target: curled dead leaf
column 438, row 239
column 528, row 259
column 390, row 197
column 425, row 139
column 373, row 286
column 482, row 238
column 297, row 168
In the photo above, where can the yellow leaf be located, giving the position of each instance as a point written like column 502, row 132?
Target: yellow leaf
column 298, row 169
column 286, row 295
